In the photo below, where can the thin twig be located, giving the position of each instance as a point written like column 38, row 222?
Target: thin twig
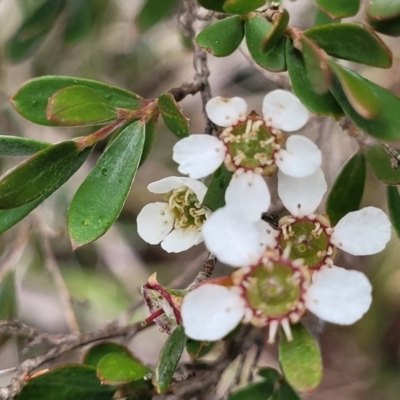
column 205, row 272
column 52, row 266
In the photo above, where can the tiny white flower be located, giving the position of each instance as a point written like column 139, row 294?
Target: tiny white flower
column 311, row 236
column 251, row 147
column 335, row 295
column 176, row 223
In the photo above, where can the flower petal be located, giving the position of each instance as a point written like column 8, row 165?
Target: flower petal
column 249, row 194
column 338, row 295
column 362, row 232
column 175, row 182
column 226, row 112
column 154, row 222
column 180, row 240
column 268, row 234
column 301, row 196
column 300, row 159
column 283, row 110
column 210, row 312
column 198, row 155
column 233, row 239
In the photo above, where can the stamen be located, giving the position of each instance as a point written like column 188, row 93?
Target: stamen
column 286, row 328
column 273, row 329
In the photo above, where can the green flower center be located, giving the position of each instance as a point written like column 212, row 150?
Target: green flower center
column 188, row 212
column 309, row 240
column 251, row 145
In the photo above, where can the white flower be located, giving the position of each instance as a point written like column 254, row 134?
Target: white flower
column 251, row 146
column 176, row 223
column 311, row 236
column 336, row 295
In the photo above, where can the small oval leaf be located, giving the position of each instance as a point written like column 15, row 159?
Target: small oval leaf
column 32, row 98
column 214, row 5
column 169, row 358
column 242, row 6
column 80, row 20
column 215, row 196
column 361, row 45
column 339, row 8
column 384, row 127
column 389, row 27
column 359, row 94
column 119, row 368
column 381, row 166
column 37, row 175
column 300, row 359
column 101, row 197
column 197, row 349
column 324, row 104
column 256, row 29
column 285, row 392
column 97, row 352
column 222, row 38
column 173, row 116
column 9, row 218
column 346, row 193
column 20, row 146
column 78, row 106
column 152, row 12
column 381, row 10
column 278, row 28
column 393, row 200
column 254, row 391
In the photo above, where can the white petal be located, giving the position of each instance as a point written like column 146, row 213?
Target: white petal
column 249, row 194
column 362, row 232
column 210, row 312
column 198, row 155
column 154, row 222
column 301, row 196
column 233, row 239
column 283, row 110
column 268, row 234
column 226, row 112
column 175, row 182
column 300, row 159
column 180, row 240
column 338, row 295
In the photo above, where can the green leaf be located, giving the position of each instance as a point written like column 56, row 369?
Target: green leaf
column 19, row 146
column 101, row 197
column 379, row 161
column 31, row 100
column 215, row 196
column 33, row 30
column 9, row 218
column 256, row 29
column 79, row 105
column 318, row 72
column 97, row 352
column 173, row 116
column 324, row 104
column 254, row 391
column 322, row 18
column 70, row 382
column 285, row 392
column 119, row 368
column 300, row 359
column 387, row 125
column 7, row 296
column 269, row 374
column 381, row 10
column 389, row 27
column 197, row 349
column 362, row 98
column 169, row 358
column 222, row 38
column 346, row 193
column 150, row 136
column 36, row 176
column 242, row 6
column 215, row 5
column 152, row 12
column 393, row 200
column 362, row 45
column 339, row 8
column 279, row 26
column 80, row 19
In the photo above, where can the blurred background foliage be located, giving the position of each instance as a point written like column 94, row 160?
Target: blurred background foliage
column 115, row 42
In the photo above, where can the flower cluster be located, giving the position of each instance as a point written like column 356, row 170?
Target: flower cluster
column 280, row 272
